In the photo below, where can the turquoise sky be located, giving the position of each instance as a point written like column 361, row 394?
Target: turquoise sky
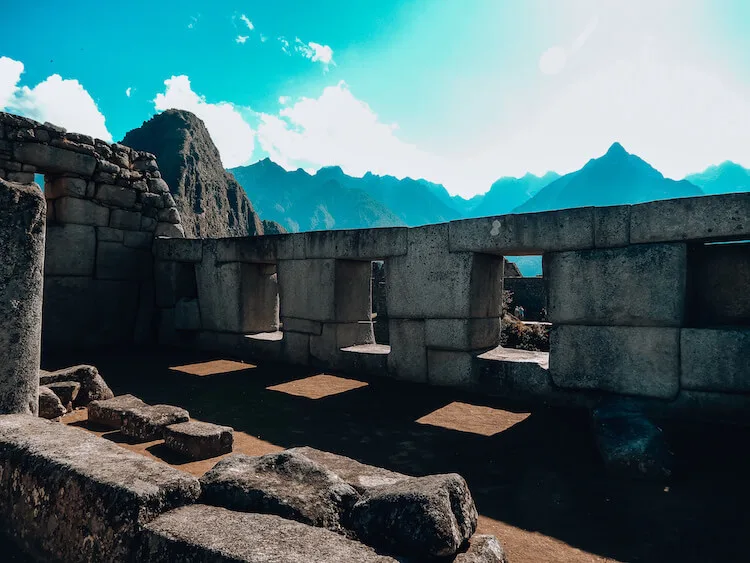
column 456, row 91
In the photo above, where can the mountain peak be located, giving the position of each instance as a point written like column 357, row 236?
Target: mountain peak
column 616, row 150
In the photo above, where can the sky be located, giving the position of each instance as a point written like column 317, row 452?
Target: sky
column 459, row 92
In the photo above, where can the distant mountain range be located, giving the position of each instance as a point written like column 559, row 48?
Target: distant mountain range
column 331, row 199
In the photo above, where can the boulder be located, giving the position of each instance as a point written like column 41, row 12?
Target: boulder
column 50, row 405
column 93, row 387
column 630, row 444
column 429, row 516
column 67, row 391
column 109, row 412
column 287, row 484
column 199, row 440
column 359, row 475
column 147, row 423
column 482, row 549
column 210, row 534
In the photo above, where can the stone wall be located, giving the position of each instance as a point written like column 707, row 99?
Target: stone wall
column 105, row 204
column 617, row 281
column 531, row 293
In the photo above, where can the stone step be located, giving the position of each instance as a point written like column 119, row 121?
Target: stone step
column 199, row 440
column 147, row 423
column 109, row 412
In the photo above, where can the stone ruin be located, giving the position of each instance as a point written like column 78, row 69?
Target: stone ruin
column 650, row 319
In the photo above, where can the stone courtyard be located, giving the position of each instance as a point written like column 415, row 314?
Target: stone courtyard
column 232, row 399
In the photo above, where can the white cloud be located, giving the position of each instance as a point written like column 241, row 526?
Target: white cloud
column 232, row 135
column 10, row 74
column 284, row 100
column 314, row 51
column 263, row 38
column 62, row 102
column 554, row 59
column 128, row 92
column 247, row 21
column 338, row 129
column 193, row 21
column 242, row 38
column 284, row 45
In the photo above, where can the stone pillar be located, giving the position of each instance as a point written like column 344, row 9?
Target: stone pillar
column 22, row 222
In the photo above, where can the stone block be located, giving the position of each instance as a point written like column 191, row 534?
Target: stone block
column 70, row 250
column 366, row 359
column 117, row 262
column 530, row 293
column 68, row 495
column 126, row 220
column 198, row 440
column 180, row 535
column 611, row 226
column 174, row 281
column 641, row 361
column 307, row 289
column 360, row 476
column 449, row 368
column 295, row 348
column 359, row 244
column 462, row 334
column 638, row 285
column 408, row 357
column 21, row 177
column 290, row 324
column 353, row 291
column 237, row 297
column 116, row 195
column 22, row 218
column 327, row 346
column 287, row 484
column 423, row 517
column 144, row 332
column 106, row 234
column 79, row 313
column 705, row 218
column 179, row 250
column 187, row 315
column 431, row 282
column 136, row 239
column 81, row 211
column 55, row 160
column 93, row 387
column 147, row 423
column 50, row 406
column 718, row 282
column 67, row 391
column 525, row 234
column 290, row 246
column 516, row 374
column 715, row 359
column 62, row 186
column 253, row 250
column 169, row 230
column 482, row 549
column 109, row 412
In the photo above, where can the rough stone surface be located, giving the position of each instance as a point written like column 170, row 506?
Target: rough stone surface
column 210, row 201
column 54, row 159
column 462, row 334
column 629, row 443
column 70, row 250
column 109, row 412
column 639, row 285
column 408, row 357
column 361, row 476
column 198, row 440
column 81, row 212
column 237, row 297
column 147, row 423
column 67, row 495
column 483, row 549
column 93, row 386
column 117, row 262
column 451, row 368
column 640, row 361
column 179, row 250
column 287, row 484
column 423, row 516
column 67, row 391
column 715, row 359
column 50, row 406
column 22, row 218
column 359, row 244
column 187, row 315
column 210, row 534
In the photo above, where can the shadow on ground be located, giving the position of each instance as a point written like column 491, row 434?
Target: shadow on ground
column 538, row 483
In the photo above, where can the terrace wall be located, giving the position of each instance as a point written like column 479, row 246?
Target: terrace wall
column 627, row 319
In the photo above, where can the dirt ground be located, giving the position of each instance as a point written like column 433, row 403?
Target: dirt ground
column 535, row 476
